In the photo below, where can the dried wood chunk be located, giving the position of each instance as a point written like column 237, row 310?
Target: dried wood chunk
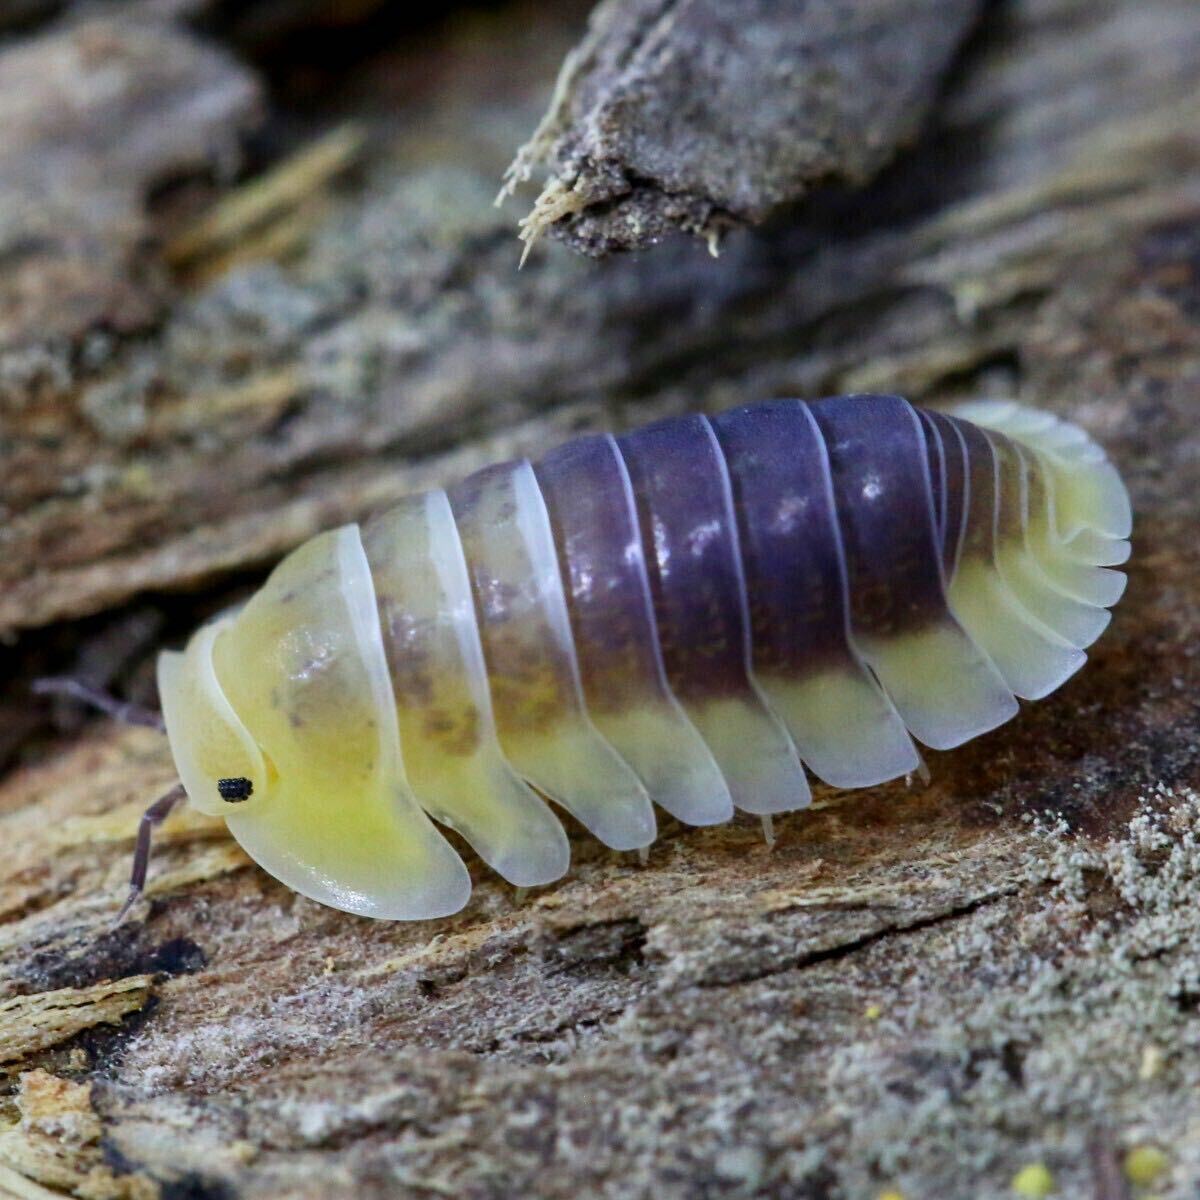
column 32, row 1023
column 696, row 115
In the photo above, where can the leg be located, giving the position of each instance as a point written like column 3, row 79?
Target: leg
column 154, row 815
column 922, row 773
column 119, row 710
column 768, row 828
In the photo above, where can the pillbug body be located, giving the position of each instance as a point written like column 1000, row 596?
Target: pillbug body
column 686, row 616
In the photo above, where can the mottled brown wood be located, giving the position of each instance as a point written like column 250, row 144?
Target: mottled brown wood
column 924, row 991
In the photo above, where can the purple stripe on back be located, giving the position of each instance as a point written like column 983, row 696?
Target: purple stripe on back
column 686, row 520
column 795, row 577
column 595, row 528
column 884, row 502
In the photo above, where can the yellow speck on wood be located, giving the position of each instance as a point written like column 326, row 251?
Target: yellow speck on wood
column 1034, row 1181
column 1151, row 1062
column 32, row 1023
column 1144, row 1164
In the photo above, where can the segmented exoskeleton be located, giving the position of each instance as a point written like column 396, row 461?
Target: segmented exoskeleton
column 688, row 616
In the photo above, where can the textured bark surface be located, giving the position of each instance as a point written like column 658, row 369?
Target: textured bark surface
column 925, row 991
column 699, row 115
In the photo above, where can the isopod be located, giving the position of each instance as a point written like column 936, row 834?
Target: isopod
column 688, row 616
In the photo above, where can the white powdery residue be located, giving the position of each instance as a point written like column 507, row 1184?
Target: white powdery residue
column 219, row 1052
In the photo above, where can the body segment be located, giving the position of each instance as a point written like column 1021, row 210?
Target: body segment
column 697, row 584
column 686, row 617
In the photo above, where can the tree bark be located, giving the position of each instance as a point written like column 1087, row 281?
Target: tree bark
column 926, row 991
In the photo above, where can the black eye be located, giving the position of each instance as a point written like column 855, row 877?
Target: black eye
column 235, row 790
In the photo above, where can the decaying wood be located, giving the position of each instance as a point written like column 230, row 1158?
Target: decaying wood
column 30, row 1024
column 923, row 991
column 698, row 115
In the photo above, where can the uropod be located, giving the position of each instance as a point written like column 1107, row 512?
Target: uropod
column 696, row 616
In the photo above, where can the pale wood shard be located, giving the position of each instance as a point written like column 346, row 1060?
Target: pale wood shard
column 19, row 1186
column 32, row 1023
column 240, row 217
column 121, row 826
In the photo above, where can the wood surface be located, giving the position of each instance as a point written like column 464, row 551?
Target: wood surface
column 233, row 312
